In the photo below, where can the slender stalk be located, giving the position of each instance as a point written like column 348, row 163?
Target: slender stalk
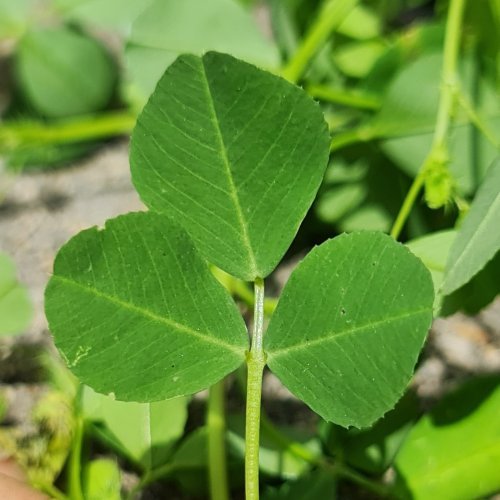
column 217, row 462
column 345, row 97
column 331, row 15
column 449, row 71
column 359, row 479
column 54, row 492
column 298, row 450
column 446, row 101
column 242, row 291
column 337, row 469
column 75, row 462
column 87, row 128
column 407, row 205
column 256, row 360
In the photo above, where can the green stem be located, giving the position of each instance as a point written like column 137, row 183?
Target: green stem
column 449, row 72
column 303, row 453
column 356, row 478
column 217, row 462
column 298, row 450
column 256, row 360
column 446, row 101
column 88, row 128
column 54, row 492
column 75, row 465
column 331, row 15
column 408, row 203
column 150, row 477
column 344, row 97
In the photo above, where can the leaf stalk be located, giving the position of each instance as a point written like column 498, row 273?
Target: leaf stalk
column 256, row 360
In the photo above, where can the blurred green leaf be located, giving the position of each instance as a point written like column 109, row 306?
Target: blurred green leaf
column 356, row 59
column 316, row 485
column 480, row 291
column 454, row 451
column 15, row 306
column 190, row 461
column 373, row 450
column 116, row 15
column 15, row 17
column 156, row 426
column 101, row 480
column 168, row 28
column 63, row 73
column 363, row 192
column 274, row 458
column 417, row 40
column 478, row 239
column 361, row 23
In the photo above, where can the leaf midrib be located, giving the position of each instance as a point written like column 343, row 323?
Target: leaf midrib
column 233, row 192
column 333, row 337
column 208, row 337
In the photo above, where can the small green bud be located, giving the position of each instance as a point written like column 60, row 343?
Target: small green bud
column 439, row 183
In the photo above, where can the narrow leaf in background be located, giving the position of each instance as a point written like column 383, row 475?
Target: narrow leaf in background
column 136, row 312
column 349, row 326
column 157, row 426
column 235, row 154
column 479, row 237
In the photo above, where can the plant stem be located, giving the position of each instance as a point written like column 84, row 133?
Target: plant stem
column 344, row 97
column 331, row 15
column 242, row 291
column 256, row 360
column 363, row 133
column 449, row 72
column 54, row 492
column 75, row 465
column 338, row 469
column 355, row 477
column 408, row 203
column 446, row 101
column 31, row 133
column 216, row 423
